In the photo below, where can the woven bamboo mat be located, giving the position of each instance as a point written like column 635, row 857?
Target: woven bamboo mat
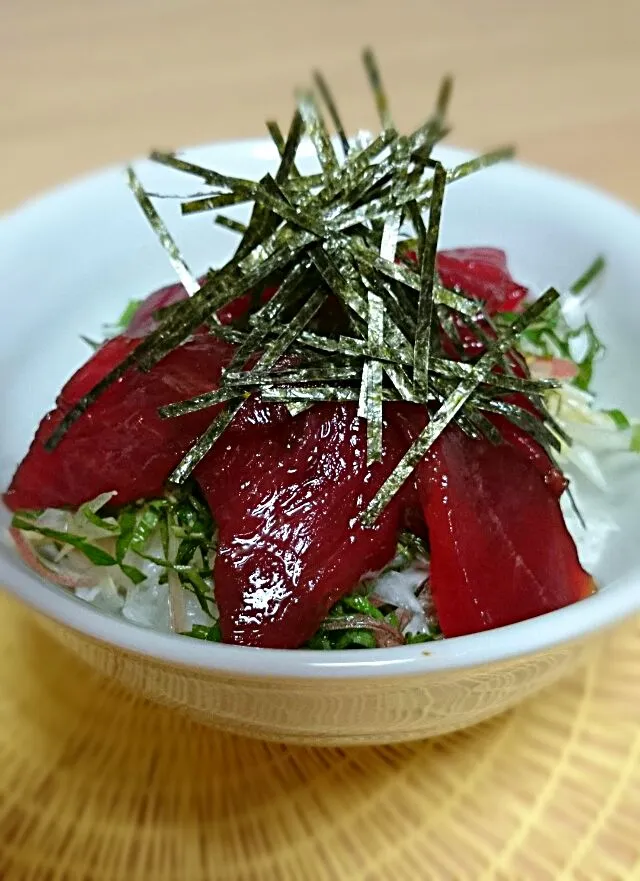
column 97, row 785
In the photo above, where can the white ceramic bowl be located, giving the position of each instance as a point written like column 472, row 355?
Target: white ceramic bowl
column 71, row 260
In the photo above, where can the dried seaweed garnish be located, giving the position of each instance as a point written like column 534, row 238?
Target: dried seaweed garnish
column 357, row 164
column 211, row 203
column 375, row 81
column 317, row 132
column 189, row 281
column 327, row 97
column 313, row 394
column 291, row 331
column 330, row 373
column 266, row 317
column 402, row 383
column 237, row 185
column 506, row 381
column 297, row 407
column 456, row 400
column 204, row 443
column 230, row 224
column 372, row 380
column 338, row 238
column 282, row 146
column 201, row 402
column 502, row 154
column 411, row 279
column 443, row 100
column 525, row 420
column 288, row 157
column 424, row 324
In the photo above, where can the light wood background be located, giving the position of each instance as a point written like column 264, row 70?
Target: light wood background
column 86, row 82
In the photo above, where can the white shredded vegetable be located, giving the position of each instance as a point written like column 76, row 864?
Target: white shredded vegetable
column 593, row 431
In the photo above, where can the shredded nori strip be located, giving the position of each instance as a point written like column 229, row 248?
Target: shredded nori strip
column 372, row 381
column 424, row 324
column 375, row 80
column 340, row 237
column 204, row 443
column 456, row 400
column 332, row 110
column 185, row 275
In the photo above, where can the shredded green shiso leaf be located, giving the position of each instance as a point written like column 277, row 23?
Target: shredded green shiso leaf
column 551, row 336
column 174, row 537
column 175, row 534
column 117, row 327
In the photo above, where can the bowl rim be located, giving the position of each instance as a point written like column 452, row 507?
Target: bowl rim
column 526, row 638
column 620, row 600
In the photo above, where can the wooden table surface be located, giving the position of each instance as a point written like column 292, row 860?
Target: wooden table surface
column 84, row 83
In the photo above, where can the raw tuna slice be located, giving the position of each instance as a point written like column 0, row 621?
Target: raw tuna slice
column 500, row 550
column 410, row 420
column 533, row 452
column 482, row 273
column 120, row 443
column 286, row 502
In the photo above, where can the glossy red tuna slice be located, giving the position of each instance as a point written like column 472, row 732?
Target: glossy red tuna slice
column 120, row 443
column 287, row 504
column 500, row 550
column 481, row 273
